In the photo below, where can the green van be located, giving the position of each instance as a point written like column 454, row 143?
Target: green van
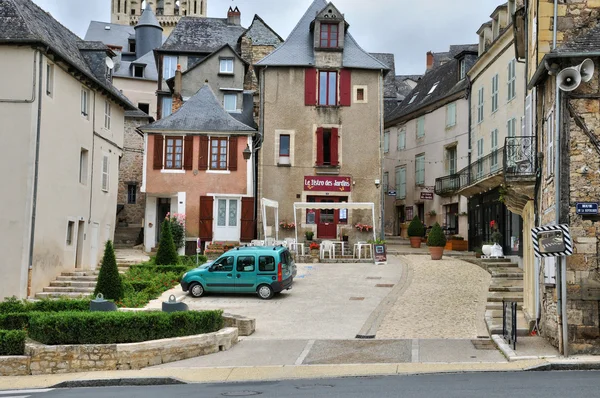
column 264, row 270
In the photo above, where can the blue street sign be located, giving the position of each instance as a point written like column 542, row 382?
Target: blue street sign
column 587, row 208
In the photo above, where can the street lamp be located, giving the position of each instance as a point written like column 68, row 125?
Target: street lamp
column 247, row 152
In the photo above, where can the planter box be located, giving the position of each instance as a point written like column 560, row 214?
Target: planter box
column 457, row 245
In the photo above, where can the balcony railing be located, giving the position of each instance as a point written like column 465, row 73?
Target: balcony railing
column 447, row 185
column 482, row 168
column 520, row 158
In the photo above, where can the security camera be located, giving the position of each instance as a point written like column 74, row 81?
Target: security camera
column 377, row 182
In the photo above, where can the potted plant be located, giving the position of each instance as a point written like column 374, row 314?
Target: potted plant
column 314, row 249
column 344, row 236
column 415, row 232
column 432, row 213
column 436, row 242
column 309, row 235
column 457, row 243
column 478, row 252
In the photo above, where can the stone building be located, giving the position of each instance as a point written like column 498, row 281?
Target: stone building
column 321, row 122
column 551, row 37
column 169, row 12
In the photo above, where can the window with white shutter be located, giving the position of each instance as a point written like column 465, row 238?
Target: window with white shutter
column 494, row 148
column 401, row 139
column 479, row 156
column 420, row 169
column 401, row 182
column 386, row 142
column 105, row 173
column 480, row 101
column 451, row 115
column 550, row 145
column 495, row 93
column 421, row 127
column 512, row 79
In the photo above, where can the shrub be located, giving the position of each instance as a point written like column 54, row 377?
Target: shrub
column 167, row 254
column 120, row 327
column 13, row 305
column 436, row 237
column 12, row 342
column 415, row 228
column 177, row 222
column 190, row 261
column 15, row 321
column 163, row 269
column 109, row 280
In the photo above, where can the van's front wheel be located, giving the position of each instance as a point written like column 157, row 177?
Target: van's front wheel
column 196, row 290
column 265, row 292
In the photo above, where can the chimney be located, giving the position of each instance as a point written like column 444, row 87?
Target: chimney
column 429, row 60
column 177, row 86
column 234, row 16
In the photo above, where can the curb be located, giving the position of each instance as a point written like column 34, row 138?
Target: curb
column 141, row 381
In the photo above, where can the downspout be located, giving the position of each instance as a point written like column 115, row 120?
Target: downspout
column 92, row 162
column 470, row 96
column 36, row 170
column 261, row 130
column 381, row 158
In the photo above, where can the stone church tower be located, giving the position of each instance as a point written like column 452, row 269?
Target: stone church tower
column 168, row 12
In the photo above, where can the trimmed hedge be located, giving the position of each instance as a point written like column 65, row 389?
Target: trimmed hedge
column 13, row 305
column 109, row 280
column 12, row 342
column 15, row 321
column 178, row 269
column 436, row 237
column 415, row 228
column 120, row 327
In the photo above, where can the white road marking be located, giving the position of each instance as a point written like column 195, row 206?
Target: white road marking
column 304, row 354
column 6, row 392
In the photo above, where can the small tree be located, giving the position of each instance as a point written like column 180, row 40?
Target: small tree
column 167, row 254
column 415, row 228
column 436, row 237
column 109, row 280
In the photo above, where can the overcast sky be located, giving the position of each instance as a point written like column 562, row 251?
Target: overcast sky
column 406, row 28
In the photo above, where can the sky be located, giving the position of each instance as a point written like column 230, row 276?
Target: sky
column 406, row 28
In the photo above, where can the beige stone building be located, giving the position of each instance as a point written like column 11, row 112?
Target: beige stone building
column 322, row 119
column 63, row 124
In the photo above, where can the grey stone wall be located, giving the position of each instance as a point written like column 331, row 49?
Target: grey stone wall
column 130, row 172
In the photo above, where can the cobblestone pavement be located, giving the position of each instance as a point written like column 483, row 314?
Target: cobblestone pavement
column 443, row 299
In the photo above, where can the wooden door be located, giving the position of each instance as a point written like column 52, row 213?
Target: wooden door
column 205, row 230
column 327, row 220
column 247, row 220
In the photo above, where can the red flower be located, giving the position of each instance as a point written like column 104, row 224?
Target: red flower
column 492, row 224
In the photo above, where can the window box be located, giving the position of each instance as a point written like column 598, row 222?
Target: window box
column 459, row 245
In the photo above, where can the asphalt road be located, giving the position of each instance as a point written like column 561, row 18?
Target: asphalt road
column 517, row 384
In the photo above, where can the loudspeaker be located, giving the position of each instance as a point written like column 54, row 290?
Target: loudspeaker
column 586, row 70
column 569, row 78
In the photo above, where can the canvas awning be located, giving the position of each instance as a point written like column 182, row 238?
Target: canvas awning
column 275, row 205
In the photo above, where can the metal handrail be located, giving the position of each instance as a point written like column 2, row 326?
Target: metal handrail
column 520, row 159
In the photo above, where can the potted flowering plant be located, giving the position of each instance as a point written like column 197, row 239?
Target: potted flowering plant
column 286, row 225
column 363, row 227
column 415, row 232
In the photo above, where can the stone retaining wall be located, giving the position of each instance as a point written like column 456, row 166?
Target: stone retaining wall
column 245, row 326
column 46, row 359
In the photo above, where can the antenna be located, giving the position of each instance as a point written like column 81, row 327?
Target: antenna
column 110, row 64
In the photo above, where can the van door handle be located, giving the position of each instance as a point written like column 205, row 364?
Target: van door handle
column 229, row 275
column 239, row 275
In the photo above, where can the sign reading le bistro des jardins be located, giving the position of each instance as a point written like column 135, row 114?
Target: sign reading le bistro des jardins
column 319, row 183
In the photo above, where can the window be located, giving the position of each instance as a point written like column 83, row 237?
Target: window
column 462, row 69
column 420, row 169
column 480, row 106
column 70, row 228
column 169, row 66
column 451, row 115
column 327, row 88
column 327, row 147
column 360, row 94
column 329, row 35
column 433, row 88
column 550, row 145
column 138, row 71
column 167, row 106
column 49, row 79
column 245, row 264
column 451, row 160
column 105, row 172
column 107, row 113
column 218, row 153
column 227, row 213
column 494, row 93
column 85, row 102
column 401, row 139
column 412, row 99
column 401, row 182
column 144, row 108
column 511, row 127
column 266, row 264
column 131, row 45
column 230, row 102
column 421, row 127
column 83, row 166
column 174, row 153
column 512, row 79
column 479, row 156
column 284, row 149
column 131, row 194
column 226, row 65
column 225, row 264
column 494, row 163
column 386, row 181
column 386, row 142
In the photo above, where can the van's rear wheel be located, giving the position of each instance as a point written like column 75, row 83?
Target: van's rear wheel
column 196, row 290
column 265, row 292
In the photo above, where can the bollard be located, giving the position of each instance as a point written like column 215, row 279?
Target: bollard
column 173, row 306
column 99, row 304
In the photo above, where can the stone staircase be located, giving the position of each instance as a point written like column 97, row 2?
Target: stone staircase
column 126, row 236
column 71, row 284
column 506, row 284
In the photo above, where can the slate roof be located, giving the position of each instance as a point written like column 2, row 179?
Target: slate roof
column 23, row 22
column 262, row 34
column 586, row 42
column 298, row 50
column 246, row 116
column 389, row 81
column 447, row 78
column 150, row 72
column 201, row 113
column 202, row 35
column 455, row 49
column 117, row 35
column 148, row 18
column 402, row 87
column 210, row 56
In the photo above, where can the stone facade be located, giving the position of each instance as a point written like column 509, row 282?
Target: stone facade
column 14, row 366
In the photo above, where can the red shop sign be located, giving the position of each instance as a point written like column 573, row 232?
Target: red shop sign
column 333, row 184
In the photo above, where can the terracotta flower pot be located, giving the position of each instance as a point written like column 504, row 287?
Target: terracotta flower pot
column 415, row 242
column 436, row 252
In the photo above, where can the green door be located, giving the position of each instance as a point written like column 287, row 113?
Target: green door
column 220, row 278
column 245, row 274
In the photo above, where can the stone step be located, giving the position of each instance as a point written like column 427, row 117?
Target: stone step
column 55, row 295
column 506, row 273
column 514, row 289
column 72, row 284
column 497, row 314
column 496, row 260
column 506, row 296
column 496, row 328
column 80, row 273
column 500, row 265
column 77, row 278
column 69, row 289
column 497, row 306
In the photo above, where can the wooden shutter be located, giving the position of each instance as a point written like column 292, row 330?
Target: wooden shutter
column 233, row 153
column 320, row 146
column 206, row 218
column 203, row 155
column 345, row 87
column 188, row 152
column 310, row 86
column 157, row 161
column 247, row 218
column 334, row 147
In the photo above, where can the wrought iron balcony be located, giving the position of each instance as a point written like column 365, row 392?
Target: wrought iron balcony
column 448, row 185
column 520, row 160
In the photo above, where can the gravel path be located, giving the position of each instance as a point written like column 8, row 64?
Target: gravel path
column 444, row 299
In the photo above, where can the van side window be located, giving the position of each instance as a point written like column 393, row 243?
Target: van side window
column 224, row 264
column 266, row 264
column 245, row 264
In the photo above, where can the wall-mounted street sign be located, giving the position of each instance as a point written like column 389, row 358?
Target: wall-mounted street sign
column 427, row 195
column 391, row 193
column 587, row 208
column 552, row 241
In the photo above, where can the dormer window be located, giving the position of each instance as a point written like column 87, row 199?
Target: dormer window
column 138, row 71
column 131, row 46
column 226, row 65
column 462, row 69
column 433, row 88
column 329, row 35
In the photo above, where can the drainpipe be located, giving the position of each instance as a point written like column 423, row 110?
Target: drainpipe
column 261, row 130
column 91, row 186
column 381, row 121
column 35, row 174
column 470, row 96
